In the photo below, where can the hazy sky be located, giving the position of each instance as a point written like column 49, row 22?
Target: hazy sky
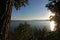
column 35, row 10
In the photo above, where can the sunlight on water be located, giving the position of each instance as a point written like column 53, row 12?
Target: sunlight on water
column 52, row 26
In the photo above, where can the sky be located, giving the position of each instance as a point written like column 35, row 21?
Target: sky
column 35, row 10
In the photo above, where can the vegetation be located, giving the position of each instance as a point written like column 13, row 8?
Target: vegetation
column 5, row 15
column 25, row 32
column 54, row 7
column 35, row 34
column 22, row 32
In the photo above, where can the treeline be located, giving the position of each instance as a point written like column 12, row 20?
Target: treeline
column 26, row 32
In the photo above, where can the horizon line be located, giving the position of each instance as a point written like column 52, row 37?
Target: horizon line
column 36, row 19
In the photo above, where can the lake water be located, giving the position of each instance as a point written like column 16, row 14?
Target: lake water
column 37, row 24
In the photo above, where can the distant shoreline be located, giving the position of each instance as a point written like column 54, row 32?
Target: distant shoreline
column 29, row 20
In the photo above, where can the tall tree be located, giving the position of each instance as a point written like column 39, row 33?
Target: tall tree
column 22, row 32
column 54, row 7
column 5, row 15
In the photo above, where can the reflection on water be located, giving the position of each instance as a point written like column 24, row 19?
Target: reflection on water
column 52, row 26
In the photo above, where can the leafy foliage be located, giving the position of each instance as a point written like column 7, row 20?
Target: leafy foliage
column 54, row 7
column 25, row 32
column 19, row 3
column 22, row 32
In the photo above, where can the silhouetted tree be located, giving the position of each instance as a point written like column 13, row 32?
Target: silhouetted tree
column 26, row 32
column 54, row 7
column 22, row 32
column 5, row 15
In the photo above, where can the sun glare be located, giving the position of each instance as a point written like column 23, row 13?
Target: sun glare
column 52, row 26
column 51, row 14
column 52, row 23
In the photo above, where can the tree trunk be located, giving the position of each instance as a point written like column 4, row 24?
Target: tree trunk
column 5, row 17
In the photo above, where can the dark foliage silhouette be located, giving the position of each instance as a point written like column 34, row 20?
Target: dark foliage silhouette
column 5, row 15
column 54, row 7
column 26, row 32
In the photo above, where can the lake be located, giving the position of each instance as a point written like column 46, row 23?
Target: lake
column 37, row 24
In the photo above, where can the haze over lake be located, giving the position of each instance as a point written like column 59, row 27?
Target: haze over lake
column 38, row 24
